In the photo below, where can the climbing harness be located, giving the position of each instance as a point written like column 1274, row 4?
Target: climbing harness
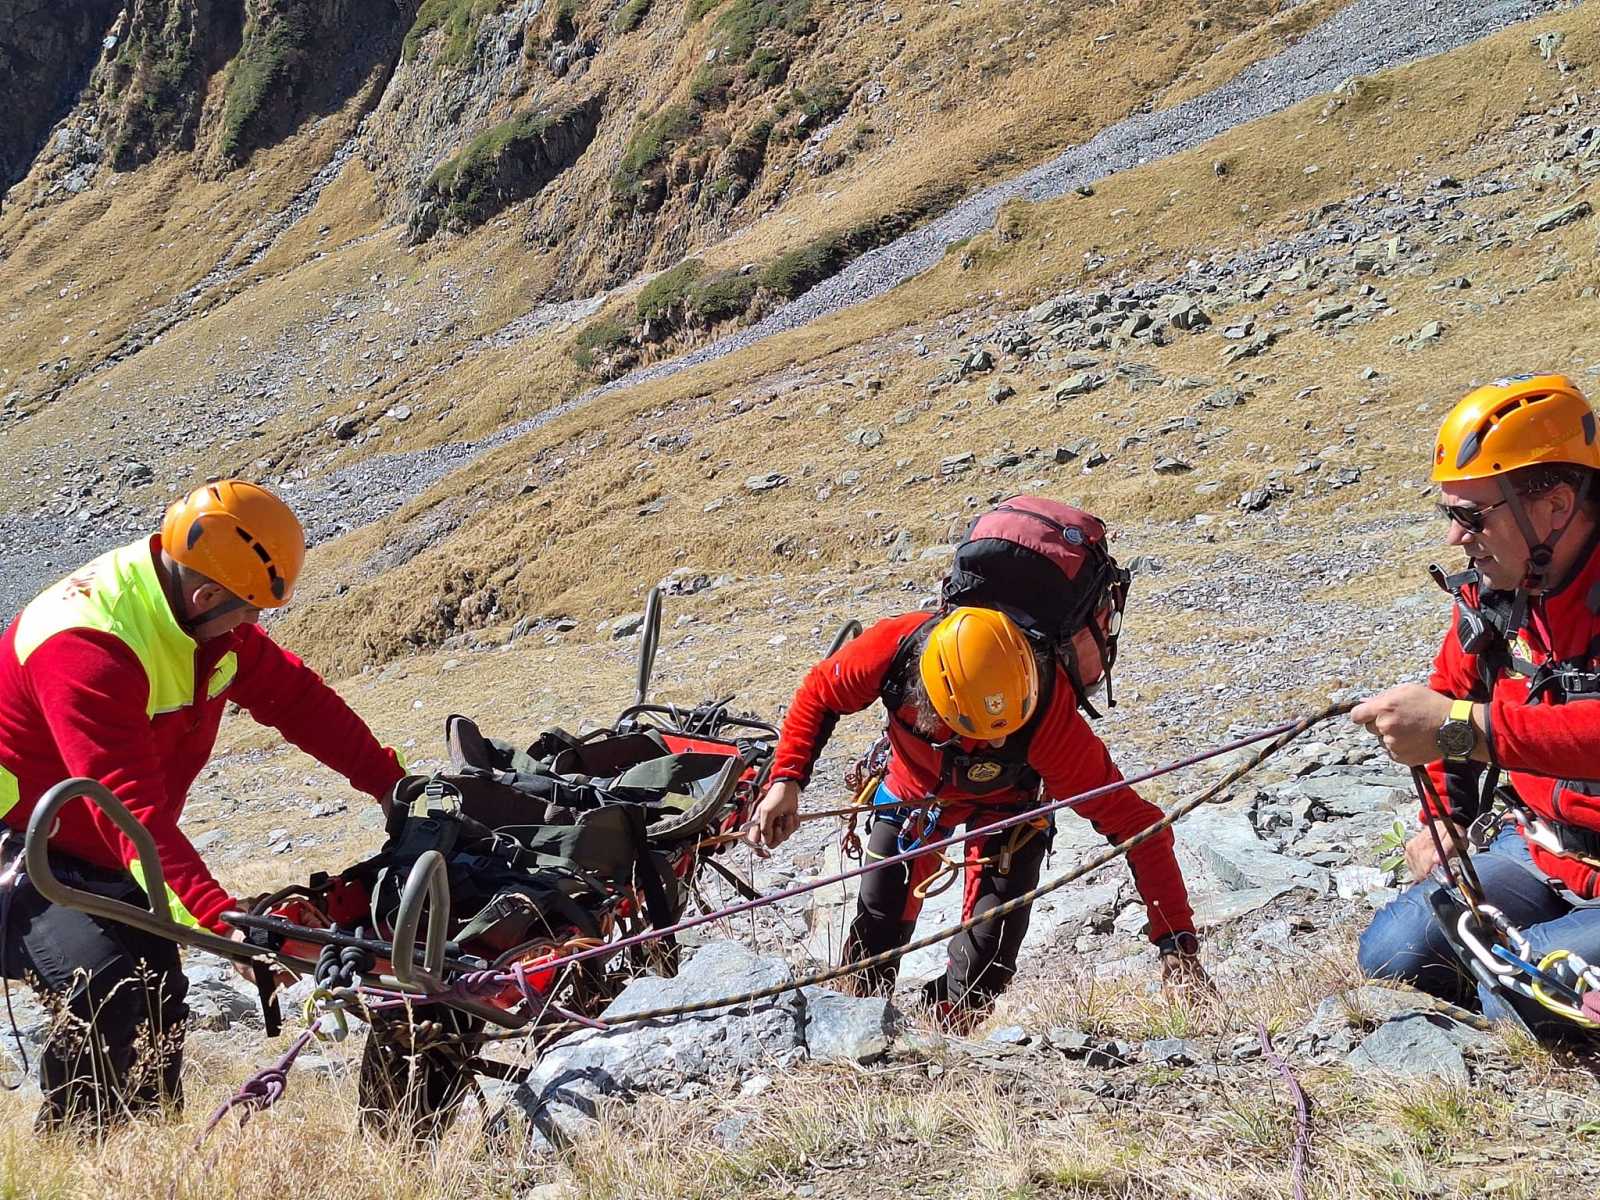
column 864, row 777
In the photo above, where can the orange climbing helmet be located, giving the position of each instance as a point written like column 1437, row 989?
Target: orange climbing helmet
column 1523, row 421
column 239, row 535
column 980, row 673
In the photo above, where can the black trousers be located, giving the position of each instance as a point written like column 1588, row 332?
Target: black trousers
column 115, row 1047
column 982, row 960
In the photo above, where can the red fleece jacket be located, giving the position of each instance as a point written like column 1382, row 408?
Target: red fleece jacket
column 1544, row 748
column 78, row 709
column 1064, row 752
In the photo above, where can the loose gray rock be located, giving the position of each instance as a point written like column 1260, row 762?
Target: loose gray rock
column 1565, row 215
column 1171, row 1052
column 563, row 1092
column 1069, row 1041
column 840, row 1028
column 765, row 483
column 1411, row 1047
column 1080, row 384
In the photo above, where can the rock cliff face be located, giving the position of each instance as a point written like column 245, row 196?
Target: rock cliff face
column 150, row 87
column 303, row 59
column 47, row 48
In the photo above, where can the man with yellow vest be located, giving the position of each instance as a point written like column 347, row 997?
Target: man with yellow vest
column 120, row 673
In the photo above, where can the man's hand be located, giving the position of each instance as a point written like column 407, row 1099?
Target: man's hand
column 246, row 970
column 776, row 817
column 1422, row 856
column 1406, row 720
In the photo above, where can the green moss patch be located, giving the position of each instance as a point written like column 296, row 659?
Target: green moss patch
column 270, row 68
column 639, row 179
column 502, row 165
column 630, row 16
column 458, row 18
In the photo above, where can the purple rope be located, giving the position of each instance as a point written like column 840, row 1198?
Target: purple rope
column 801, row 889
column 1302, row 1113
column 262, row 1090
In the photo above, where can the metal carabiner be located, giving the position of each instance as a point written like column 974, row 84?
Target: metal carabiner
column 929, row 816
column 321, row 1004
column 1501, row 969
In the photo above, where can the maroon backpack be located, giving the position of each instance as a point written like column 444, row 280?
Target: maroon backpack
column 1046, row 566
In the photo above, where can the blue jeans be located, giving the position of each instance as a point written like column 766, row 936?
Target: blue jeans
column 1405, row 942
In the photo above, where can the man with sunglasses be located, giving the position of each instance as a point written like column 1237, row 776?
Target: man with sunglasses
column 982, row 721
column 120, row 673
column 1518, row 467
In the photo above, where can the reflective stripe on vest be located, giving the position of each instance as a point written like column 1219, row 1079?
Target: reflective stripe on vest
column 180, row 913
column 120, row 594
column 9, row 795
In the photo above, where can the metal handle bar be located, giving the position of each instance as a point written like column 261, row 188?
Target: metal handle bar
column 667, row 710
column 429, row 881
column 157, row 919
column 848, row 632
column 649, row 639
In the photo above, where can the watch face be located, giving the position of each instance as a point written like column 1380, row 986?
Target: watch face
column 1455, row 739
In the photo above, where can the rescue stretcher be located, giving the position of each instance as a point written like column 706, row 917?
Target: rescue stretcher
column 434, row 998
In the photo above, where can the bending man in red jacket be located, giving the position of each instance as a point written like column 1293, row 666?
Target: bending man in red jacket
column 1513, row 690
column 979, row 722
column 120, row 673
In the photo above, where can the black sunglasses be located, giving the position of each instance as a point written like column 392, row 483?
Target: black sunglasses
column 1469, row 516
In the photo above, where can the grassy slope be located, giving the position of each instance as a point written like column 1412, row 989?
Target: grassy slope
column 575, row 543
column 996, row 112
column 1038, row 1138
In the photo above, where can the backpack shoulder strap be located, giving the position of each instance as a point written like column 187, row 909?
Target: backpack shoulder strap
column 892, row 688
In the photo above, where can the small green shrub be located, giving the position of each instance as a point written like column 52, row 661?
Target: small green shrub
column 698, row 9
column 802, row 269
column 631, row 16
column 708, row 86
column 599, row 338
column 635, row 181
column 458, row 18
column 768, row 67
column 269, row 63
column 566, row 22
column 686, row 296
column 667, row 295
column 502, row 165
column 737, row 28
column 817, row 105
column 722, row 297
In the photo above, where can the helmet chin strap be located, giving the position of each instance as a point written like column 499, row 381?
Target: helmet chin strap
column 173, row 585
column 1541, row 551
